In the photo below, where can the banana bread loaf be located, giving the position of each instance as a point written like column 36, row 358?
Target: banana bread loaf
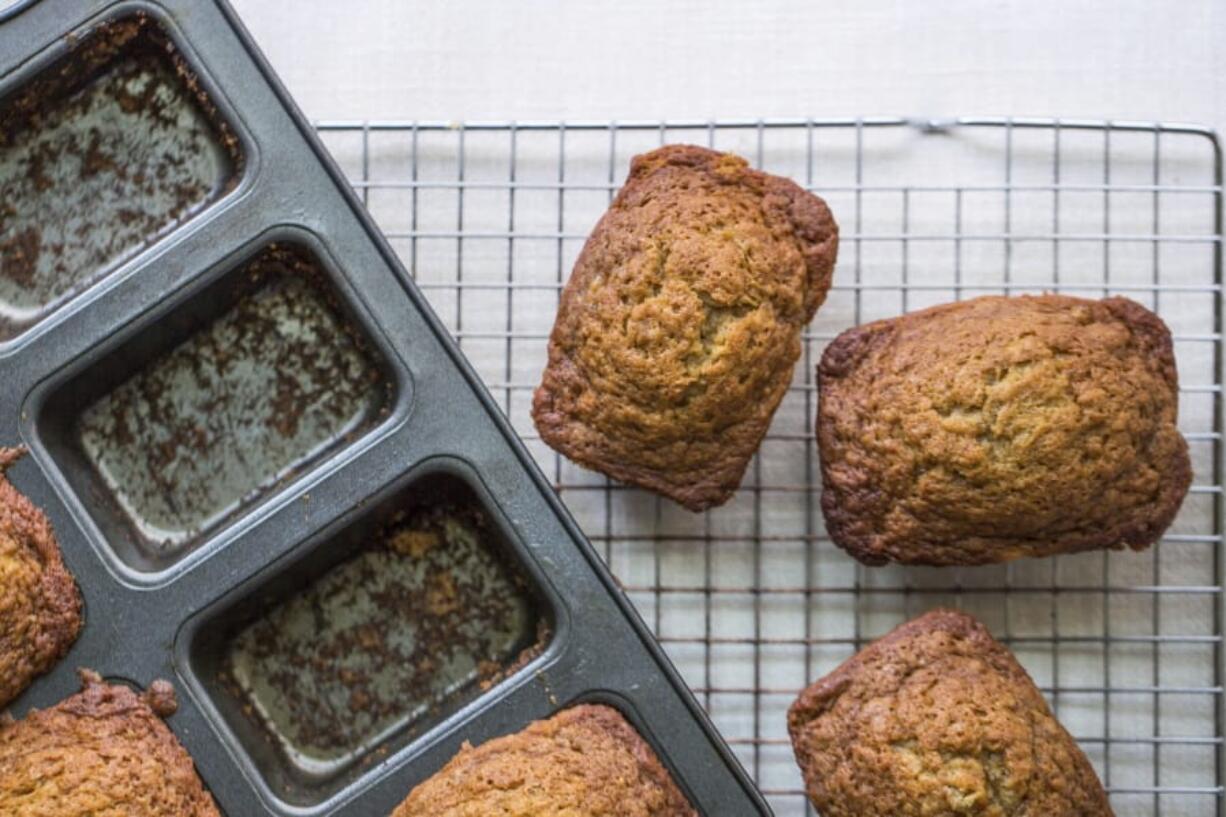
column 586, row 761
column 938, row 718
column 104, row 752
column 40, row 610
column 680, row 325
column 990, row 429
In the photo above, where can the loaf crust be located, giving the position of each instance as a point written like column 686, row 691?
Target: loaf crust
column 990, row 429
column 938, row 719
column 680, row 325
column 40, row 610
column 104, row 752
column 586, row 761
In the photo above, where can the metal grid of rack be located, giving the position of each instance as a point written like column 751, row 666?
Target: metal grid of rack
column 752, row 600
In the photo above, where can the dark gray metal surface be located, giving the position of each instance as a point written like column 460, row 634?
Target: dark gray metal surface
column 145, row 617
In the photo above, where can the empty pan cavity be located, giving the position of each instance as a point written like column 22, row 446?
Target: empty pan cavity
column 384, row 629
column 102, row 153
column 216, row 405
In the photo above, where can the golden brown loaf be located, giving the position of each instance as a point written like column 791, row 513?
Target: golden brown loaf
column 40, row 610
column 104, row 752
column 586, row 761
column 679, row 327
column 938, row 719
column 995, row 428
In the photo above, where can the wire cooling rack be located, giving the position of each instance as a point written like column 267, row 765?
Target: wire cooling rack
column 752, row 601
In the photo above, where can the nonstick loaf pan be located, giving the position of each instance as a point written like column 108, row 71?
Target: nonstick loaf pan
column 240, row 408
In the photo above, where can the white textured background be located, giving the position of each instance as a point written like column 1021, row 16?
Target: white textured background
column 692, row 58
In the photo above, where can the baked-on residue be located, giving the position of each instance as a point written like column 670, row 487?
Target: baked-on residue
column 586, row 761
column 405, row 629
column 101, row 153
column 938, row 719
column 1000, row 427
column 104, row 752
column 40, row 610
column 678, row 330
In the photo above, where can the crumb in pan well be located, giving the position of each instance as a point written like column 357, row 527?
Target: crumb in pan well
column 586, row 761
column 40, row 608
column 427, row 612
column 279, row 379
column 101, row 153
column 1001, row 427
column 103, row 752
column 938, row 718
column 678, row 330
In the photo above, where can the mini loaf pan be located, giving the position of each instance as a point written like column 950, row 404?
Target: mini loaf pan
column 274, row 476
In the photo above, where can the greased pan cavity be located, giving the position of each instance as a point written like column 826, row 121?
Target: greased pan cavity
column 238, row 406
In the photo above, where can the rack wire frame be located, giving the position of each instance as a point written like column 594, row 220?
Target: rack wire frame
column 752, row 601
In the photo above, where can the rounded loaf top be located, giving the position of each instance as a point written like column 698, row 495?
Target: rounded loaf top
column 104, row 752
column 40, row 607
column 679, row 327
column 585, row 761
column 938, row 718
column 1000, row 427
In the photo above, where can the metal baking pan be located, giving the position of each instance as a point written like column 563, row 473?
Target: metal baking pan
column 238, row 405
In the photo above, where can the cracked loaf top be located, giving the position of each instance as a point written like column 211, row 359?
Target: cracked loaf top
column 103, row 752
column 40, row 609
column 990, row 429
column 679, row 327
column 938, row 718
column 586, row 761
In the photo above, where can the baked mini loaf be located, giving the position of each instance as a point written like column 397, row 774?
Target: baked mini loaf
column 104, row 752
column 680, row 325
column 938, row 719
column 40, row 610
column 586, row 761
column 990, row 429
